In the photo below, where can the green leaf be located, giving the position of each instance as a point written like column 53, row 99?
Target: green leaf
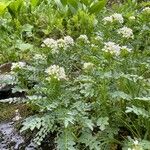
column 68, row 119
column 63, row 8
column 138, row 111
column 102, row 122
column 64, row 2
column 89, row 140
column 14, row 7
column 143, row 98
column 120, row 95
column 59, row 4
column 66, row 141
column 34, row 3
column 73, row 3
column 86, row 2
column 145, row 144
column 31, row 123
column 97, row 7
column 23, row 46
column 88, row 123
column 3, row 6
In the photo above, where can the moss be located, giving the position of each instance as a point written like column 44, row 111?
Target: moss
column 7, row 111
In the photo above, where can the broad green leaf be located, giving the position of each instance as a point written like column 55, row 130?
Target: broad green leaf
column 59, row 4
column 34, row 3
column 23, row 46
column 3, row 6
column 86, row 2
column 62, row 8
column 145, row 144
column 14, row 7
column 64, row 2
column 73, row 3
column 98, row 6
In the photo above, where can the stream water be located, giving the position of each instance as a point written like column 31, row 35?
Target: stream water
column 11, row 140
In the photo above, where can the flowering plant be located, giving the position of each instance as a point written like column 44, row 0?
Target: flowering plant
column 89, row 83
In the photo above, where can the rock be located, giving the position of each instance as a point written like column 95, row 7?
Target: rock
column 4, row 68
column 6, row 77
column 5, row 89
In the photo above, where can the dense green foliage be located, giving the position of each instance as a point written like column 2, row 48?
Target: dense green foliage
column 91, row 88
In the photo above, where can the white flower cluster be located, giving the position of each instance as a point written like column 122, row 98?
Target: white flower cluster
column 61, row 43
column 39, row 57
column 118, row 17
column 146, row 10
column 114, row 48
column 114, row 17
column 56, row 71
column 87, row 65
column 18, row 65
column 66, row 42
column 51, row 43
column 83, row 38
column 56, row 44
column 136, row 146
column 69, row 40
column 126, row 32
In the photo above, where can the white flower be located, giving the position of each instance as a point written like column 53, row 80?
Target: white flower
column 118, row 17
column 136, row 142
column 126, row 32
column 51, row 43
column 61, row 43
column 131, row 149
column 114, row 17
column 56, row 71
column 98, row 38
column 132, row 17
column 146, row 9
column 108, row 19
column 94, row 46
column 87, row 65
column 84, row 38
column 69, row 40
column 39, row 57
column 66, row 42
column 56, row 44
column 18, row 65
column 112, row 48
column 126, row 48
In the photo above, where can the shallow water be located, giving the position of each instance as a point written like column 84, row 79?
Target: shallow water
column 10, row 139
